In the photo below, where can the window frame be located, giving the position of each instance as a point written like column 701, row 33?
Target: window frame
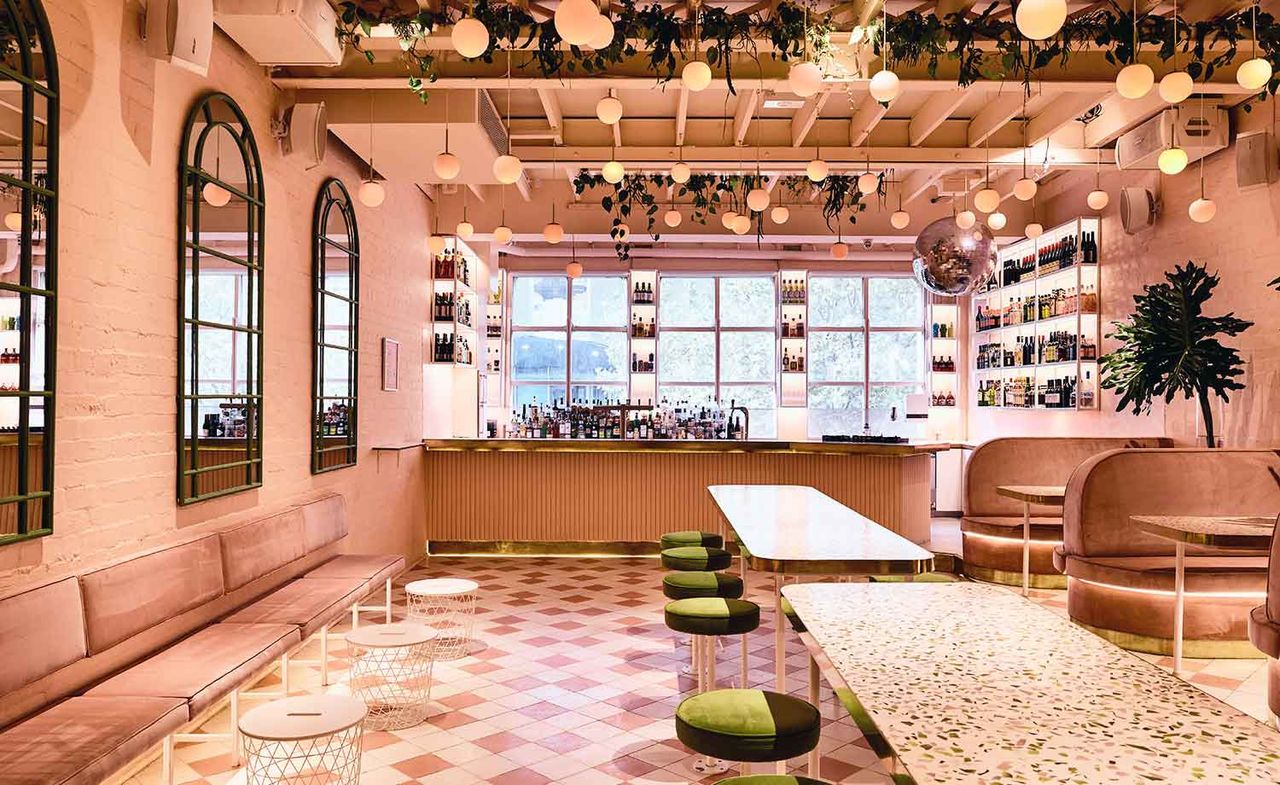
column 333, row 195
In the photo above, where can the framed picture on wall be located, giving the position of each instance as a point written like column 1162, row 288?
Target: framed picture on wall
column 390, row 365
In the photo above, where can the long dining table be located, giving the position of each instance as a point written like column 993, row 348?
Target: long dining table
column 792, row 530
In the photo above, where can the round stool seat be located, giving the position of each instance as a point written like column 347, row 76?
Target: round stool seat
column 792, row 616
column 696, row 558
column 712, row 616
column 751, row 726
column 683, row 585
column 772, row 779
column 691, row 538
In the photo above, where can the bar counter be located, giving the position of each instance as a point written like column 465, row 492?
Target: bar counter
column 620, row 495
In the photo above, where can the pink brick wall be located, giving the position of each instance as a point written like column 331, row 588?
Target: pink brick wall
column 121, row 122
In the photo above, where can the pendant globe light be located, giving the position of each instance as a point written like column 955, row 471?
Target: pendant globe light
column 900, row 219
column 997, row 221
column 1033, row 229
column 574, row 268
column 502, row 233
column 575, row 21
column 613, row 171
column 672, row 217
column 609, row 109
column 781, row 213
column 885, row 85
column 1098, row 199
column 696, row 74
column 553, row 232
column 1136, row 79
column 213, row 194
column 680, row 171
column 965, row 219
column 1040, row 19
column 508, row 168
column 987, row 200
column 465, row 229
column 1255, row 73
column 435, row 244
column 817, row 169
column 1025, row 188
column 447, row 166
column 371, row 193
column 602, row 33
column 1203, row 209
column 741, row 224
column 805, row 79
column 757, row 197
column 727, row 219
column 839, row 250
column 470, row 37
column 1173, row 159
column 868, row 181
column 1176, row 86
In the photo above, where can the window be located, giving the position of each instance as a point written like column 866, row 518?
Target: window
column 336, row 308
column 220, row 257
column 866, row 352
column 28, row 314
column 717, row 344
column 569, row 335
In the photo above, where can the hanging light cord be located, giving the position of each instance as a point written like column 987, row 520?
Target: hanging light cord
column 371, row 137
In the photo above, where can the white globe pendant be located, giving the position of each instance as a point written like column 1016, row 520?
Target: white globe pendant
column 470, row 37
column 1172, row 160
column 997, row 220
column 741, row 224
column 727, row 220
column 573, row 269
column 1025, row 189
column 1135, row 80
column 672, row 218
column 609, row 110
column 447, row 166
column 13, row 221
column 758, row 199
column 1097, row 199
column 965, row 219
column 1254, row 74
column 1033, row 230
column 622, row 233
column 575, row 21
column 805, row 79
column 502, row 234
column 780, row 214
column 214, row 195
column 884, row 86
column 1202, row 210
column 464, row 230
column 987, row 200
column 680, row 172
column 696, row 76
column 507, row 169
column 601, row 33
column 868, row 183
column 900, row 219
column 839, row 251
column 1040, row 19
column 435, row 244
column 817, row 170
column 613, row 172
column 1176, row 87
column 553, row 233
column 371, row 193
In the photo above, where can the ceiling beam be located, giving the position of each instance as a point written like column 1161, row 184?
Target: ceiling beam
column 864, row 120
column 998, row 112
column 936, row 109
column 682, row 114
column 805, row 117
column 1061, row 112
column 551, row 107
column 1121, row 114
column 915, row 184
column 791, row 160
column 747, row 100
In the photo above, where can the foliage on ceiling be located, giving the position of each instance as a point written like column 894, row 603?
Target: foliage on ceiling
column 984, row 45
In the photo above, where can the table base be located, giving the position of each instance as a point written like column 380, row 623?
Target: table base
column 327, row 760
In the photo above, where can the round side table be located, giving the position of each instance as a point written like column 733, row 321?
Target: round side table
column 307, row 740
column 448, row 606
column 391, row 672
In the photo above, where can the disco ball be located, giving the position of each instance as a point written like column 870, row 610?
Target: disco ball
column 953, row 261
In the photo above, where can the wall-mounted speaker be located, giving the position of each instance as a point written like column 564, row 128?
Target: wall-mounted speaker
column 1255, row 160
column 1137, row 209
column 306, row 134
column 181, row 32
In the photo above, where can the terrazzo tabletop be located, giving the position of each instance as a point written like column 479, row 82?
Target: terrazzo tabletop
column 1241, row 530
column 974, row 684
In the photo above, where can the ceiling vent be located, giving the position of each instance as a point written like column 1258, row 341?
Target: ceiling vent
column 282, row 32
column 1199, row 134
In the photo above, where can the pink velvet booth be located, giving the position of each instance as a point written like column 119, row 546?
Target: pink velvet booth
column 1121, row 580
column 1264, row 626
column 992, row 524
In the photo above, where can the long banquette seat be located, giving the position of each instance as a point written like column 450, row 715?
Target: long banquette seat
column 992, row 524
column 1121, row 580
column 1264, row 626
column 99, row 668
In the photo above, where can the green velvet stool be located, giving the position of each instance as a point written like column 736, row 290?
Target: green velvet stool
column 747, row 726
column 705, row 619
column 694, row 539
column 771, row 779
column 694, row 558
column 684, row 585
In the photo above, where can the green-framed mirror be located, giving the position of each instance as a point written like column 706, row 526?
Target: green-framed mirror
column 28, row 268
column 336, row 329
column 220, row 256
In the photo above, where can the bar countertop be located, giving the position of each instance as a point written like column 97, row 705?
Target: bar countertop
column 685, row 445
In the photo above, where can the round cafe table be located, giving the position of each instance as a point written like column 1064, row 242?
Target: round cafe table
column 448, row 606
column 391, row 672
column 310, row 740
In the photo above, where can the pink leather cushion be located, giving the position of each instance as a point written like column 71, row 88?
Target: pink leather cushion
column 1273, row 578
column 1264, row 633
column 41, row 630
column 81, row 741
column 1042, row 527
column 255, row 549
column 205, row 667
column 369, row 568
column 127, row 598
column 1106, row 489
column 309, row 603
column 325, row 521
column 1203, row 573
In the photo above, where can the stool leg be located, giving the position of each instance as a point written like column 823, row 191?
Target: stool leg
column 388, row 600
column 324, row 655
column 815, row 757
column 743, row 682
column 235, row 727
column 779, row 646
column 284, row 674
column 166, row 760
column 355, row 616
column 701, row 656
column 711, row 661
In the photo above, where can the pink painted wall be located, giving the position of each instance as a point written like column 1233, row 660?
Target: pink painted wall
column 121, row 121
column 1240, row 244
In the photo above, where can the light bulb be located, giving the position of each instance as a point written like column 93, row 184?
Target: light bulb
column 435, row 244
column 696, row 76
column 553, row 233
column 13, row 222
column 575, row 21
column 900, row 219
column 672, row 218
column 573, row 269
column 839, row 251
column 884, row 86
column 613, row 172
column 741, row 224
column 621, row 233
column 371, row 193
column 1025, row 189
column 1135, row 80
column 780, row 214
column 758, row 199
column 601, row 33
column 680, row 172
column 447, row 166
column 1176, row 87
column 507, row 168
column 1033, row 230
column 817, row 170
column 1097, row 199
column 217, row 196
column 1172, row 160
column 726, row 220
column 987, row 200
column 868, row 183
column 470, row 37
column 464, row 230
column 1254, row 74
column 502, row 234
column 965, row 219
column 997, row 220
column 805, row 79
column 1202, row 210
column 1040, row 19
column 609, row 110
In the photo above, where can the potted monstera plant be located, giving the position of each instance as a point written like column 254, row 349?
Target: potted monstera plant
column 1170, row 346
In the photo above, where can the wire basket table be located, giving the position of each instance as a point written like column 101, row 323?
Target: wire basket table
column 391, row 672
column 448, row 606
column 310, row 740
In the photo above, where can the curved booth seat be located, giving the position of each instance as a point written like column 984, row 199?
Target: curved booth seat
column 1121, row 579
column 1264, row 627
column 992, row 524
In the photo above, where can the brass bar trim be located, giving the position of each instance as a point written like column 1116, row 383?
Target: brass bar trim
column 1196, row 649
column 682, row 446
column 1007, row 578
column 540, row 548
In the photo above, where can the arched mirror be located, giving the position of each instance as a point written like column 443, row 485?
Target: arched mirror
column 220, row 335
column 336, row 310
column 28, row 268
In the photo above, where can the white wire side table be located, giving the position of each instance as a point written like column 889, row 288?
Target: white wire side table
column 391, row 672
column 448, row 606
column 310, row 740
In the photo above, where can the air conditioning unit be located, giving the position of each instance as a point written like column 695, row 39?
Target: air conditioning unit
column 180, row 32
column 282, row 32
column 306, row 132
column 1199, row 134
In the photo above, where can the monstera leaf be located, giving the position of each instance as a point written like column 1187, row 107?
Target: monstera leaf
column 1170, row 347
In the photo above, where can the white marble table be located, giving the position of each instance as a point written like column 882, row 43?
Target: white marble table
column 1053, row 495
column 966, row 684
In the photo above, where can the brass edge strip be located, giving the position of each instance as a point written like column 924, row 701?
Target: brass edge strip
column 1195, row 649
column 841, row 567
column 1007, row 578
column 540, row 548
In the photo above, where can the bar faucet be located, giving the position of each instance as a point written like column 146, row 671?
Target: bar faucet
column 746, row 418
